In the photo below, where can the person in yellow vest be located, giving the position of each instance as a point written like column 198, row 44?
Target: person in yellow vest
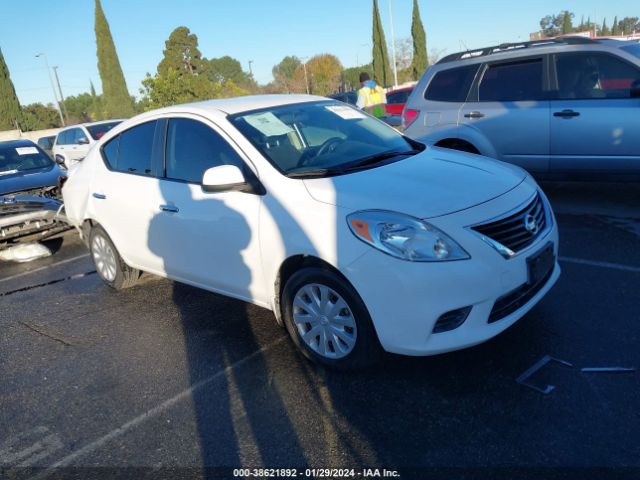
column 371, row 97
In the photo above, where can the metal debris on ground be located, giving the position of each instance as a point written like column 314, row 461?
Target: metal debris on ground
column 25, row 252
column 608, row 369
column 523, row 379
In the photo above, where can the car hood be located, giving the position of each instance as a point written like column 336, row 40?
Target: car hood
column 433, row 183
column 30, row 180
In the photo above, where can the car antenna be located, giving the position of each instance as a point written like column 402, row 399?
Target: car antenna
column 462, row 44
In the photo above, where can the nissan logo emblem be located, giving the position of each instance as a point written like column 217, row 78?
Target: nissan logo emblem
column 530, row 224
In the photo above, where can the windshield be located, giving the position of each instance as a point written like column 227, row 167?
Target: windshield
column 18, row 159
column 98, row 131
column 633, row 49
column 321, row 138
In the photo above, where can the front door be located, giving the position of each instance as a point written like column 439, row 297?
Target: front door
column 595, row 124
column 508, row 107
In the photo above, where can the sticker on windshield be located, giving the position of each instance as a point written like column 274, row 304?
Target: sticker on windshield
column 345, row 112
column 27, row 150
column 268, row 124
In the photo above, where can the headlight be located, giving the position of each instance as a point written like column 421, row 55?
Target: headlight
column 404, row 237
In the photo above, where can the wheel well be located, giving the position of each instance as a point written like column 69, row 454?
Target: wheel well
column 85, row 231
column 290, row 266
column 457, row 144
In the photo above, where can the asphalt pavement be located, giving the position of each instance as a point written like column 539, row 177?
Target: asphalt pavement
column 168, row 381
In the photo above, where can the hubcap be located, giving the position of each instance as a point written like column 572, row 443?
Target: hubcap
column 104, row 257
column 324, row 321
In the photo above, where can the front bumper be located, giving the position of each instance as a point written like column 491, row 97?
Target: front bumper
column 405, row 299
column 29, row 217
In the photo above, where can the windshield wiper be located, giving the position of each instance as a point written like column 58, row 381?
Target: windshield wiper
column 313, row 173
column 377, row 158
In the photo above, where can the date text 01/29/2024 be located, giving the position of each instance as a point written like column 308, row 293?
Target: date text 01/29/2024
column 315, row 473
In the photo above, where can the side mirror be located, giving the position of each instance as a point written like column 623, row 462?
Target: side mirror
column 60, row 161
column 225, row 178
column 82, row 141
column 635, row 89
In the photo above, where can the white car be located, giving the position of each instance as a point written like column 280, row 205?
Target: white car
column 73, row 143
column 355, row 236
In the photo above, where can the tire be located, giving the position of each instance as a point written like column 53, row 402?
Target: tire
column 109, row 265
column 351, row 340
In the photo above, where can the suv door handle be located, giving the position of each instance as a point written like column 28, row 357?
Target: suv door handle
column 566, row 114
column 99, row 196
column 169, row 208
column 474, row 115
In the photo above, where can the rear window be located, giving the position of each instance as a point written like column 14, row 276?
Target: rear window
column 516, row 81
column 451, row 85
column 98, row 131
column 398, row 97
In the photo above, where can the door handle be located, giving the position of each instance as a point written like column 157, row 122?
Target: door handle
column 169, row 208
column 99, row 196
column 566, row 114
column 474, row 115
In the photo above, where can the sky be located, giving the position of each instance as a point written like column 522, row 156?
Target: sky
column 264, row 31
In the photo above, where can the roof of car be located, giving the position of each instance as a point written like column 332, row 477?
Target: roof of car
column 242, row 104
column 90, row 124
column 17, row 143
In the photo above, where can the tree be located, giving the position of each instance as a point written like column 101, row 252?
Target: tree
column 351, row 76
column 181, row 53
column 37, row 116
column 381, row 70
column 324, row 73
column 567, row 26
column 605, row 30
column 79, row 108
column 420, row 60
column 96, row 103
column 628, row 25
column 554, row 25
column 615, row 29
column 174, row 87
column 9, row 103
column 283, row 73
column 117, row 101
column 225, row 69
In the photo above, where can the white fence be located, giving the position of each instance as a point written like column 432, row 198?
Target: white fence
column 34, row 136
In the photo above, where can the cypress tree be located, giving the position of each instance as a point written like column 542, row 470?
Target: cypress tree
column 381, row 68
column 615, row 29
column 567, row 27
column 116, row 98
column 604, row 30
column 420, row 60
column 10, row 113
column 181, row 53
column 96, row 104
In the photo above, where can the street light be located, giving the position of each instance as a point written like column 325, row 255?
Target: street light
column 64, row 107
column 393, row 49
column 55, row 96
column 304, row 67
column 250, row 72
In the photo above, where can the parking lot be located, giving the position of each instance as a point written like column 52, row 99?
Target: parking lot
column 173, row 379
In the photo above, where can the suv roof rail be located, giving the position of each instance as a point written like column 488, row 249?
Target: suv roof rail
column 481, row 52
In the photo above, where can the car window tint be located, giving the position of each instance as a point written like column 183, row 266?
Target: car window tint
column 98, row 131
column 512, row 82
column 594, row 75
column 398, row 97
column 78, row 135
column 451, row 85
column 192, row 148
column 136, row 149
column 110, row 152
column 63, row 137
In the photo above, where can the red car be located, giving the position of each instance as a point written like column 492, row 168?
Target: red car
column 396, row 100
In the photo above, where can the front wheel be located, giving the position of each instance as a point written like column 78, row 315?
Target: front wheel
column 109, row 265
column 328, row 321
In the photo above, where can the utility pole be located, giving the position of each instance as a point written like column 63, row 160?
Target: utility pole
column 393, row 49
column 250, row 72
column 64, row 107
column 304, row 67
column 55, row 96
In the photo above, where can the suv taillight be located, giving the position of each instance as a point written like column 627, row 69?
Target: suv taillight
column 409, row 116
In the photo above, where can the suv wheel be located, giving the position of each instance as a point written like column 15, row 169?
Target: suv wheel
column 328, row 321
column 109, row 265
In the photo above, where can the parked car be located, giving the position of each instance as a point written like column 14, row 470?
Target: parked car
column 396, row 100
column 563, row 107
column 46, row 144
column 29, row 201
column 347, row 97
column 354, row 235
column 73, row 143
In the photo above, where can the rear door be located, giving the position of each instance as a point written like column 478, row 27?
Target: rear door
column 595, row 124
column 509, row 106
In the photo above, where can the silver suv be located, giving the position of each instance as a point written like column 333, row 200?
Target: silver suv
column 566, row 107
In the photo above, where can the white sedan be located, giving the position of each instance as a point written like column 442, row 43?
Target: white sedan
column 358, row 238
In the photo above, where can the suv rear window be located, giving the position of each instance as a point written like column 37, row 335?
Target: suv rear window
column 512, row 82
column 451, row 85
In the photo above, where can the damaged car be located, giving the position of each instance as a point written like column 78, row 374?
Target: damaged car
column 30, row 207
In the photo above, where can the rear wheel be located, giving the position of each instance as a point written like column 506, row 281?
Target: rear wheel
column 109, row 265
column 328, row 321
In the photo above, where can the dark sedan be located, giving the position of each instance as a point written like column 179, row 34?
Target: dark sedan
column 29, row 197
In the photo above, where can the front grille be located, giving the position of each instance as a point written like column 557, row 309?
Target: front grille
column 512, row 301
column 519, row 230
